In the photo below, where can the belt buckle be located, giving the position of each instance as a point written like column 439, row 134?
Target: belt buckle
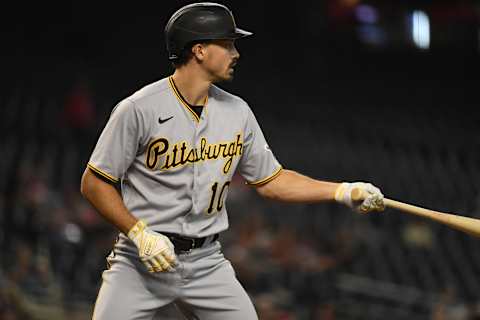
column 192, row 246
column 192, row 242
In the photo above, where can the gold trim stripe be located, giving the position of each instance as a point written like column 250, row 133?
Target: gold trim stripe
column 267, row 179
column 179, row 97
column 102, row 173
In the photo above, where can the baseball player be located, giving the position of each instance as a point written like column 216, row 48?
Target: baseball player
column 172, row 149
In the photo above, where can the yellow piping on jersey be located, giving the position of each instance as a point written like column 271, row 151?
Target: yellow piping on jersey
column 102, row 173
column 267, row 179
column 182, row 101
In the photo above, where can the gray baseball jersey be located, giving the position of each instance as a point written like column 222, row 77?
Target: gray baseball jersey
column 174, row 167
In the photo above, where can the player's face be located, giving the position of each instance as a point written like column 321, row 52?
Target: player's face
column 220, row 59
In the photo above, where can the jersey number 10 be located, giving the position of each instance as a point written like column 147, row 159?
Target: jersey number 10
column 220, row 199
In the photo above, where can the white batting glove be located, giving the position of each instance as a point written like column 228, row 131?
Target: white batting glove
column 155, row 250
column 373, row 197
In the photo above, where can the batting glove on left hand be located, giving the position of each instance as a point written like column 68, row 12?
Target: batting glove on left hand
column 155, row 250
column 373, row 197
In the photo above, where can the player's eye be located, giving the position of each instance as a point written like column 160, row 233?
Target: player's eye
column 226, row 44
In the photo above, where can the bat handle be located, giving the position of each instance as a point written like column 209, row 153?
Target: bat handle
column 357, row 194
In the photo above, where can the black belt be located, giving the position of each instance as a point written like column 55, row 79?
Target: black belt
column 185, row 244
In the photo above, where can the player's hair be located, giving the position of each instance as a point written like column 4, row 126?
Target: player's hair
column 186, row 54
column 183, row 57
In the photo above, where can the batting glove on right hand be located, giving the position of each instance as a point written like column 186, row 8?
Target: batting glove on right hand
column 373, row 197
column 155, row 250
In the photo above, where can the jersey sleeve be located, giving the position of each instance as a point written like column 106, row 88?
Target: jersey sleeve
column 258, row 164
column 118, row 143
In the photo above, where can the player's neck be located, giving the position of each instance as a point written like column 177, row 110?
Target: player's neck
column 193, row 89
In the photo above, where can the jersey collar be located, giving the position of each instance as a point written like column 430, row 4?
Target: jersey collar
column 182, row 100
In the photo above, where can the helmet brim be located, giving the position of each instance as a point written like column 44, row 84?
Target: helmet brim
column 240, row 33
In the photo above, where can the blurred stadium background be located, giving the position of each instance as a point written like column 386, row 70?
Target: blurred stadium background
column 380, row 91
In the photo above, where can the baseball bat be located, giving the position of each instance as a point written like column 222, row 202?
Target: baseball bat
column 468, row 225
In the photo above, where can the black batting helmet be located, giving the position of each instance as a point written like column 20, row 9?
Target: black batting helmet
column 200, row 21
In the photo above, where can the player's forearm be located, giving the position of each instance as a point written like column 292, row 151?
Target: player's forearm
column 290, row 186
column 106, row 200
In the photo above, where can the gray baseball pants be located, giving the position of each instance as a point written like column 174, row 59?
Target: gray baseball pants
column 203, row 286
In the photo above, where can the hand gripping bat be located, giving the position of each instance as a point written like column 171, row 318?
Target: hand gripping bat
column 468, row 225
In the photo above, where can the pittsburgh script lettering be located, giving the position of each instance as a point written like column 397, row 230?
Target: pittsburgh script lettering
column 161, row 155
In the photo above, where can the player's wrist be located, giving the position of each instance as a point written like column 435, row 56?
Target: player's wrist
column 135, row 231
column 342, row 193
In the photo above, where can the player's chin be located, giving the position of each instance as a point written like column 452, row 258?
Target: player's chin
column 225, row 77
column 229, row 74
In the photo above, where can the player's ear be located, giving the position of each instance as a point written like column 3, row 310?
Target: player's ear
column 198, row 51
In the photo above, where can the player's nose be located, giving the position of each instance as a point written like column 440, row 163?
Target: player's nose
column 235, row 54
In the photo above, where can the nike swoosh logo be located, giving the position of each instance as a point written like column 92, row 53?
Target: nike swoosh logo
column 160, row 120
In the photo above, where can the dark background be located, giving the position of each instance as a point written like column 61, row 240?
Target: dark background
column 338, row 98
